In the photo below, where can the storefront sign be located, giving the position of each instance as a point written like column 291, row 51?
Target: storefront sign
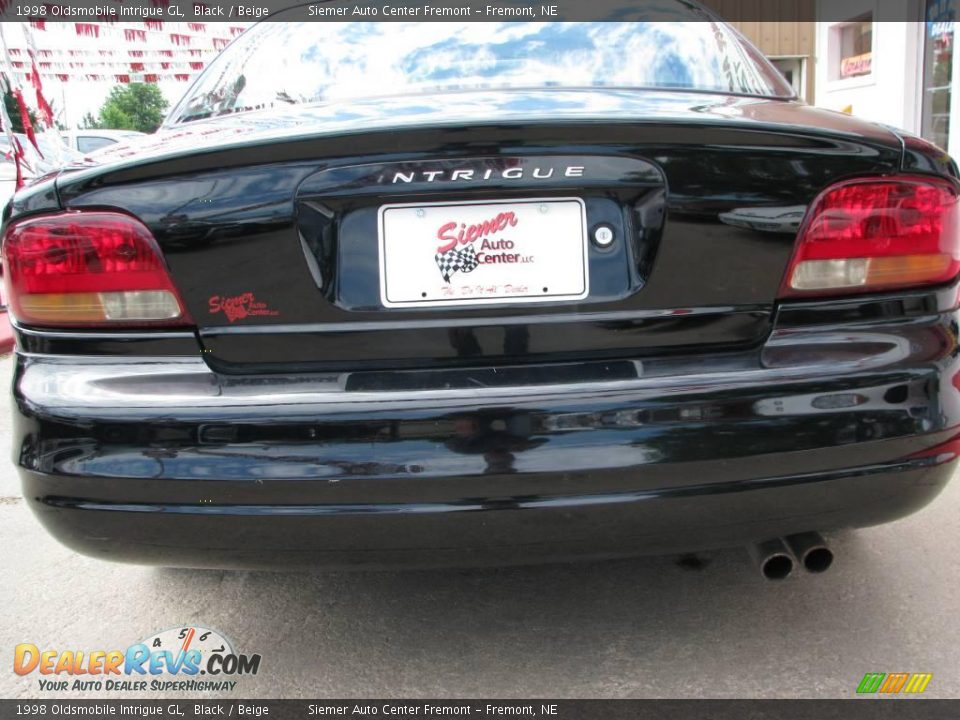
column 856, row 65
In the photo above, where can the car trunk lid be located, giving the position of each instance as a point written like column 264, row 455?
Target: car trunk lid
column 278, row 249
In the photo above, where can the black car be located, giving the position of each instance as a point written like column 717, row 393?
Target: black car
column 486, row 293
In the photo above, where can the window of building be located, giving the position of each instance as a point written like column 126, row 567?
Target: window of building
column 937, row 72
column 852, row 48
column 794, row 72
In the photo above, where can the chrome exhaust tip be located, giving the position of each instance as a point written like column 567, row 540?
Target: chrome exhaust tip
column 773, row 558
column 811, row 550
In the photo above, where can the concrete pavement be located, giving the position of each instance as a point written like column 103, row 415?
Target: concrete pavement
column 651, row 627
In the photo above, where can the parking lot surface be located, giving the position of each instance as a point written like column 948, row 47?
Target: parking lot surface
column 651, row 627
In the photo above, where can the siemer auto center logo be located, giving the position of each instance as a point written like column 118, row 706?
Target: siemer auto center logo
column 171, row 660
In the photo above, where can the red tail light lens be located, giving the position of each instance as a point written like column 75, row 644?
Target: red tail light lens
column 88, row 269
column 877, row 234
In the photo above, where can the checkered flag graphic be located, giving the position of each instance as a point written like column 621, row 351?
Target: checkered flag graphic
column 464, row 260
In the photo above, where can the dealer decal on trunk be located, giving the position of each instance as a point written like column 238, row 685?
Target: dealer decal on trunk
column 238, row 307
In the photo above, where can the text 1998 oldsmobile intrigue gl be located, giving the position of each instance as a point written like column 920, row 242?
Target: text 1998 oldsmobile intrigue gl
column 485, row 293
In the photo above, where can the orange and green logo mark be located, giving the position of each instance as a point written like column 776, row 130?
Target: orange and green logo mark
column 893, row 683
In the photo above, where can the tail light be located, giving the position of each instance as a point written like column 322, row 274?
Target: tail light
column 876, row 234
column 88, row 269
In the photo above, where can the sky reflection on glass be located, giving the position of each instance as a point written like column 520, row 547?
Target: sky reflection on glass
column 277, row 64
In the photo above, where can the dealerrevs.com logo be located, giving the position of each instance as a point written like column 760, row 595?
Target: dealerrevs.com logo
column 189, row 659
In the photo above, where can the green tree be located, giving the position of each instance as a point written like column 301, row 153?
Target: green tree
column 89, row 122
column 13, row 110
column 133, row 106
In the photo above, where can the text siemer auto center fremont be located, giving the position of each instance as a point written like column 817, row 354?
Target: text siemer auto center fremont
column 425, row 11
column 427, row 709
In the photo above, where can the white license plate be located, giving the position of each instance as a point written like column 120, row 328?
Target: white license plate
column 472, row 253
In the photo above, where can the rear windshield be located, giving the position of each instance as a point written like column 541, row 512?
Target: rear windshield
column 283, row 63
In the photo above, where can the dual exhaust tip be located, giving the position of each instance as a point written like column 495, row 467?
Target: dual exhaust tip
column 776, row 558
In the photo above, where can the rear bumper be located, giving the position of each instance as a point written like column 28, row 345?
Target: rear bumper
column 163, row 461
column 488, row 531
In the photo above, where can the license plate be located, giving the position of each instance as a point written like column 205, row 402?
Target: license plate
column 473, row 253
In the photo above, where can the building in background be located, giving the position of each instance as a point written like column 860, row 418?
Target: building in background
column 790, row 46
column 898, row 73
column 79, row 62
column 784, row 32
